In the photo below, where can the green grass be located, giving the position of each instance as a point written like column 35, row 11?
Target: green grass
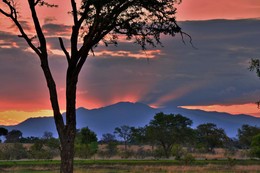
column 46, row 163
column 132, row 166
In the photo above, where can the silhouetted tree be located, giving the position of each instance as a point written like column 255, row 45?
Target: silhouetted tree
column 102, row 20
column 255, row 146
column 3, row 132
column 210, row 136
column 52, row 144
column 255, row 66
column 13, row 136
column 108, row 137
column 30, row 139
column 111, row 145
column 246, row 134
column 139, row 135
column 47, row 135
column 168, row 129
column 125, row 133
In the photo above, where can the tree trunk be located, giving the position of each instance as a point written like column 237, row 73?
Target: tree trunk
column 166, row 150
column 67, row 138
column 67, row 156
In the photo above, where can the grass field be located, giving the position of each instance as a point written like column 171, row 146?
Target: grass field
column 133, row 166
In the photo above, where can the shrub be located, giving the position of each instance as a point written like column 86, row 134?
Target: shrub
column 14, row 151
column 178, row 151
column 188, row 158
column 255, row 146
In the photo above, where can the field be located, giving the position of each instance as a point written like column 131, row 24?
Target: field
column 133, row 166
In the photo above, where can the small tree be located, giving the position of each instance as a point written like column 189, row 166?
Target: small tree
column 255, row 146
column 111, row 145
column 13, row 136
column 246, row 134
column 210, row 136
column 124, row 132
column 40, row 151
column 86, row 143
column 255, row 66
column 47, row 135
column 108, row 137
column 3, row 132
column 139, row 135
column 167, row 130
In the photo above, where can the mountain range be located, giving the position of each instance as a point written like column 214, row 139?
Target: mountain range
column 106, row 119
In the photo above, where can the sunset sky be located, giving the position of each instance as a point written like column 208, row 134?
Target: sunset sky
column 214, row 76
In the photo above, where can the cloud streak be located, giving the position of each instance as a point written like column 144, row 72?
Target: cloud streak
column 173, row 75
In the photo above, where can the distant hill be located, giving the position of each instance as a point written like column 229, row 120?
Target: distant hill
column 104, row 120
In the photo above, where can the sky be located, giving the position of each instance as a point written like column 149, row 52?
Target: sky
column 212, row 75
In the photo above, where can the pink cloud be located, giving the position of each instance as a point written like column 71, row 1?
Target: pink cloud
column 221, row 9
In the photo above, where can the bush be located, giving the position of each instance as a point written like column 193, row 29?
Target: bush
column 14, row 151
column 141, row 153
column 188, row 158
column 86, row 151
column 178, row 151
column 39, row 151
column 158, row 153
column 126, row 154
column 255, row 146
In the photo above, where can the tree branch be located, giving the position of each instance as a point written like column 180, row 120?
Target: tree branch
column 36, row 3
column 38, row 28
column 4, row 13
column 64, row 49
column 13, row 17
column 74, row 11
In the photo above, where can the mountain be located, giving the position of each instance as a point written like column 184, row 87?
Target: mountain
column 104, row 120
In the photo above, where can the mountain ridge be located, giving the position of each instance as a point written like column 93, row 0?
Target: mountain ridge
column 105, row 119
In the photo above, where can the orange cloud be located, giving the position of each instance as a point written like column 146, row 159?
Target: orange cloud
column 249, row 108
column 29, row 105
column 140, row 54
column 13, row 117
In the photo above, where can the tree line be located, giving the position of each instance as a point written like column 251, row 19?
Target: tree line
column 167, row 134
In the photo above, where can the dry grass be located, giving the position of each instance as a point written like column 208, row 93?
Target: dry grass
column 172, row 169
column 221, row 153
column 187, row 169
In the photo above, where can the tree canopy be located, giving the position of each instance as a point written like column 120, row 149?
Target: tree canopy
column 3, row 131
column 210, row 136
column 168, row 129
column 13, row 136
column 246, row 134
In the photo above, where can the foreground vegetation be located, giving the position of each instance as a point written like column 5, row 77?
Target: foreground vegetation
column 100, row 166
column 167, row 144
column 166, row 136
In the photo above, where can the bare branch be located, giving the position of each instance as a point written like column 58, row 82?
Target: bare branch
column 38, row 28
column 74, row 11
column 36, row 3
column 13, row 17
column 43, row 3
column 4, row 13
column 190, row 38
column 64, row 49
